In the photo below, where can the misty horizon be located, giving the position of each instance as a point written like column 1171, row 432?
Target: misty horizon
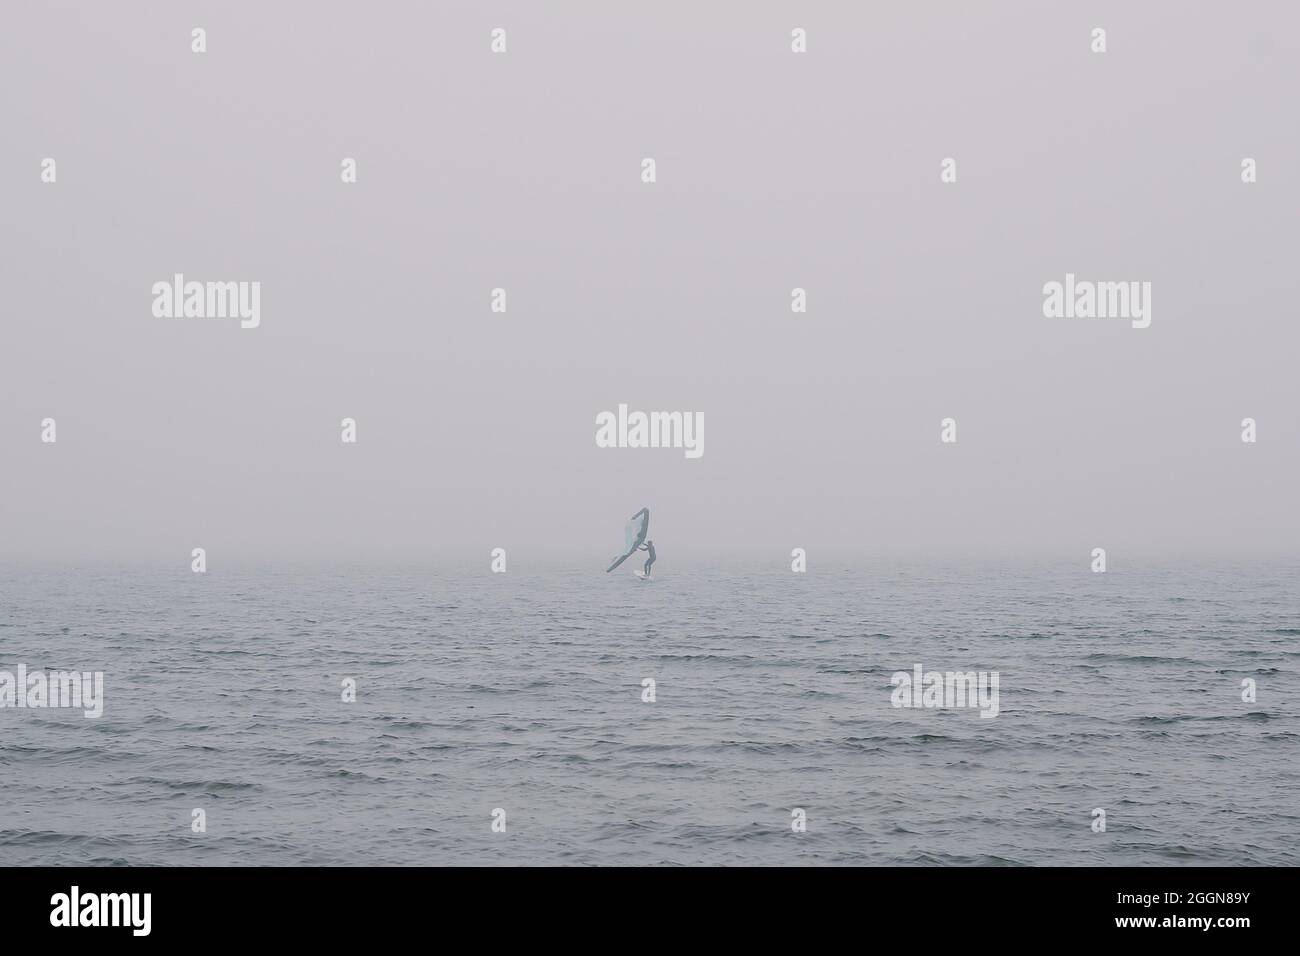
column 477, row 429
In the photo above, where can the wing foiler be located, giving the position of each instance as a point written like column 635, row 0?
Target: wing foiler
column 634, row 533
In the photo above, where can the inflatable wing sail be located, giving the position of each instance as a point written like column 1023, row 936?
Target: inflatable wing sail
column 634, row 533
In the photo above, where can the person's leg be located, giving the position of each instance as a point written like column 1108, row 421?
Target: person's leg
column 648, row 562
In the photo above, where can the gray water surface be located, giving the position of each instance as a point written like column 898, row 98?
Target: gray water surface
column 522, row 691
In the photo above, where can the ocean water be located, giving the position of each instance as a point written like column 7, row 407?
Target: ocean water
column 522, row 691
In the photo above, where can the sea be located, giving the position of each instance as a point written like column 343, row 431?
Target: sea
column 718, row 714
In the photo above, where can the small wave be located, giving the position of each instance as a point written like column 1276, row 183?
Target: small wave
column 53, row 838
column 206, row 786
column 1139, row 659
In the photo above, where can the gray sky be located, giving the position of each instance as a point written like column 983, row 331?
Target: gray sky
column 775, row 170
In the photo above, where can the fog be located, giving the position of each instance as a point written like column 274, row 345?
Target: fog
column 523, row 171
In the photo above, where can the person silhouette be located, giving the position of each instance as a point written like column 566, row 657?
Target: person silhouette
column 650, row 547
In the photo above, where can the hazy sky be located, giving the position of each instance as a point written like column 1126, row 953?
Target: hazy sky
column 775, row 170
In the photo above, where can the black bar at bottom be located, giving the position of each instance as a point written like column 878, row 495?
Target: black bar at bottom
column 369, row 905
